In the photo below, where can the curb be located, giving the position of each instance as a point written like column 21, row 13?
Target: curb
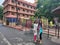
column 13, row 27
column 21, row 29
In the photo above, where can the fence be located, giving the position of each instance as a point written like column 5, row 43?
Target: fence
column 55, row 31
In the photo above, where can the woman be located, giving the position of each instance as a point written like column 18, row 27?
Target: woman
column 40, row 31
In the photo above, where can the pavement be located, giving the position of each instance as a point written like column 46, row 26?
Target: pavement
column 21, row 28
column 55, row 40
column 3, row 40
column 11, row 36
column 54, row 35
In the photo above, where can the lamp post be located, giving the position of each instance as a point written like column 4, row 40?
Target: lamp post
column 16, row 10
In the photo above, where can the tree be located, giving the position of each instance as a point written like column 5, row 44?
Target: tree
column 32, row 18
column 44, row 8
column 1, row 12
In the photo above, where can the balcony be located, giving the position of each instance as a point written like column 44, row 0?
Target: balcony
column 26, row 13
column 9, row 10
column 19, row 11
column 21, row 6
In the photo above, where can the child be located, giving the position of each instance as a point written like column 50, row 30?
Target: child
column 35, row 30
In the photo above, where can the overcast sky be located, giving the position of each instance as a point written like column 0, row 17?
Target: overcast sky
column 1, row 1
column 30, row 1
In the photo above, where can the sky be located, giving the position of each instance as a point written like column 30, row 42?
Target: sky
column 1, row 1
column 30, row 1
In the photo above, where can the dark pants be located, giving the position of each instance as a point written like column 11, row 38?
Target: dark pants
column 40, row 36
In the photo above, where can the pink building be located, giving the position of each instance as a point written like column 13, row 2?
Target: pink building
column 18, row 8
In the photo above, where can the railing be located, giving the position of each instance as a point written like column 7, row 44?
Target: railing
column 56, row 31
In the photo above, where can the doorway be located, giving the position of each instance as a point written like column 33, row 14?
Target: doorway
column 7, row 22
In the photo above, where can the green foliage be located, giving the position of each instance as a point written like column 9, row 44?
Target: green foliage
column 44, row 8
column 45, row 21
column 32, row 18
column 1, row 12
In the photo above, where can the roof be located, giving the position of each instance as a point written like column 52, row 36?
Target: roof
column 56, row 9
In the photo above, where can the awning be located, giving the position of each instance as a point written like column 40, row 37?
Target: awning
column 11, row 16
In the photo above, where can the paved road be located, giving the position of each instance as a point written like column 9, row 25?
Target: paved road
column 10, row 36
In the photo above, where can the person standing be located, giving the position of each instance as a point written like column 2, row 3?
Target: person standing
column 40, row 31
column 35, row 30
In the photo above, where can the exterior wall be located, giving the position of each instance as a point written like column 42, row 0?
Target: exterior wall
column 4, row 21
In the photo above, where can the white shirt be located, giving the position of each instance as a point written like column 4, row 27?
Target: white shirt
column 35, row 29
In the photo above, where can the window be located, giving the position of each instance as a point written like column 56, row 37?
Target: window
column 13, row 13
column 30, row 16
column 27, row 16
column 13, row 1
column 23, row 14
column 34, row 12
column 31, row 7
column 13, row 8
column 18, row 13
column 27, row 10
column 24, row 10
column 6, row 0
column 34, row 8
column 27, row 6
column 18, row 8
column 18, row 3
column 31, row 11
column 23, row 4
column 7, row 13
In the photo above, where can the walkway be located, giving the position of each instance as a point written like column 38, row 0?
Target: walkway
column 16, row 37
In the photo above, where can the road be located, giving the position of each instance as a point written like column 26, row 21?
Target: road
column 10, row 36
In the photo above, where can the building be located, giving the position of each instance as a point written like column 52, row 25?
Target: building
column 56, row 15
column 17, row 9
column 56, row 11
